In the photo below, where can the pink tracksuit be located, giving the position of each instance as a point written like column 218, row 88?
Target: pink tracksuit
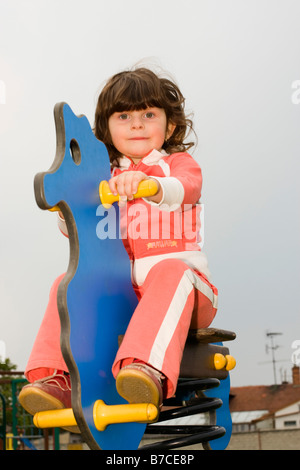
column 169, row 274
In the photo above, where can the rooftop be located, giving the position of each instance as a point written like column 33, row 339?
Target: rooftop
column 263, row 397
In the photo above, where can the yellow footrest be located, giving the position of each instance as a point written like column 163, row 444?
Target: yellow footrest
column 54, row 418
column 103, row 415
column 132, row 413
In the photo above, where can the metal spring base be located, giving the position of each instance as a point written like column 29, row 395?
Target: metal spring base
column 190, row 400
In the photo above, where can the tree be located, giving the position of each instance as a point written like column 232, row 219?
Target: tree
column 7, row 365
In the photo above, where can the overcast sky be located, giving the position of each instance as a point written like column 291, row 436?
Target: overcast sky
column 238, row 64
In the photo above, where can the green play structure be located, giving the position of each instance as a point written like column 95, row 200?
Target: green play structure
column 17, row 431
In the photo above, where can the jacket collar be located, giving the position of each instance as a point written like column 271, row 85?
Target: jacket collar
column 151, row 159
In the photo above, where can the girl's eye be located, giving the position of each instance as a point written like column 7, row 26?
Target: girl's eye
column 123, row 116
column 149, row 115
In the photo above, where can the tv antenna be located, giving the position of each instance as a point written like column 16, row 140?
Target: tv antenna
column 273, row 348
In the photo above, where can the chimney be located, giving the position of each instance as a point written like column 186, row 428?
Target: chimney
column 296, row 375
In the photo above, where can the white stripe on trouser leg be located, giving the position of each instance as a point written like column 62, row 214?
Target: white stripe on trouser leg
column 187, row 283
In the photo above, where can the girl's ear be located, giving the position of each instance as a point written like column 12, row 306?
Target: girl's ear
column 170, row 129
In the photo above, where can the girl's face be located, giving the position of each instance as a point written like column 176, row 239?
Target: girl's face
column 136, row 133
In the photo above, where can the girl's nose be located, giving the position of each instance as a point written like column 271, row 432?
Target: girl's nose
column 137, row 123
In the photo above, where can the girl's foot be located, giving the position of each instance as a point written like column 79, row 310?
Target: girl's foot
column 49, row 393
column 140, row 383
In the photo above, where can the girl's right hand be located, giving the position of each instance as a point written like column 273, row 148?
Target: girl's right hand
column 126, row 185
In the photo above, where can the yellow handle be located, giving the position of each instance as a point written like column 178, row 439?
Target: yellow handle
column 224, row 362
column 230, row 362
column 103, row 415
column 146, row 188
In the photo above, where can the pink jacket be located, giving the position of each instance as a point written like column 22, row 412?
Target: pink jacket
column 171, row 229
column 153, row 232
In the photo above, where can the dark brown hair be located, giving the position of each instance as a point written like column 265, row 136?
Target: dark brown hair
column 136, row 90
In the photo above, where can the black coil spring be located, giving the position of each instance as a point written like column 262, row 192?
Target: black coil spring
column 189, row 400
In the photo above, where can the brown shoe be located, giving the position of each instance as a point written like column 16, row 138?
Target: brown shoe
column 140, row 383
column 49, row 393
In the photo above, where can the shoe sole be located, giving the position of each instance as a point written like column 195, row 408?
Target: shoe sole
column 35, row 400
column 137, row 387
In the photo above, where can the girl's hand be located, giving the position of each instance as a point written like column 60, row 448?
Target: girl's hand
column 126, row 185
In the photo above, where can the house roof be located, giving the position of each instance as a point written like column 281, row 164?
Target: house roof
column 263, row 397
column 241, row 417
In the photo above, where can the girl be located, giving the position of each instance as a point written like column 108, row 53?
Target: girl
column 140, row 118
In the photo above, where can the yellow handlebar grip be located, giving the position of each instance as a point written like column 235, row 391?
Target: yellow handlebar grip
column 224, row 362
column 219, row 361
column 146, row 188
column 230, row 362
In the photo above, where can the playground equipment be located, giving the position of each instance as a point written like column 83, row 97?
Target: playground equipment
column 146, row 188
column 23, row 433
column 95, row 302
column 3, row 421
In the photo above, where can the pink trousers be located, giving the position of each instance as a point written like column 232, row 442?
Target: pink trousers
column 173, row 299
